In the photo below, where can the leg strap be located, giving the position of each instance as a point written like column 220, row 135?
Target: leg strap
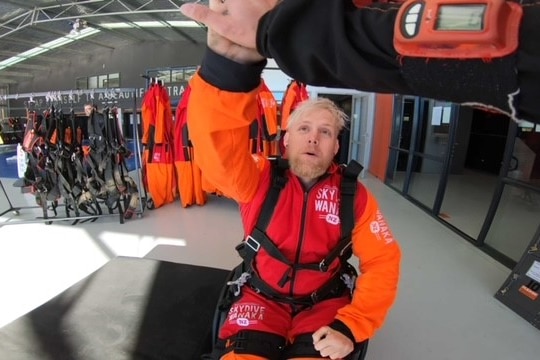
column 302, row 347
column 253, row 342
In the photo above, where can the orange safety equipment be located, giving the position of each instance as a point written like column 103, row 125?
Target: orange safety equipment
column 157, row 160
column 295, row 93
column 264, row 128
column 188, row 173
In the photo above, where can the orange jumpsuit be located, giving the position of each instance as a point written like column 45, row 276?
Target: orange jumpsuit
column 301, row 227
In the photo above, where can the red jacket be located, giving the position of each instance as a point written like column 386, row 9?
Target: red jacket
column 303, row 226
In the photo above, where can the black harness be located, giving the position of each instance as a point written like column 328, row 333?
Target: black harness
column 258, row 240
column 269, row 345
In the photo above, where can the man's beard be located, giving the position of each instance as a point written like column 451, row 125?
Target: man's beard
column 307, row 170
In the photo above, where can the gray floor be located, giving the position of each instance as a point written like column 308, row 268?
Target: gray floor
column 445, row 308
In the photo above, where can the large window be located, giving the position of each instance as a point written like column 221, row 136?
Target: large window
column 516, row 221
column 477, row 171
column 172, row 75
column 98, row 81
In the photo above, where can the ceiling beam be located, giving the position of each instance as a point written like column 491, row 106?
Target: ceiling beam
column 29, row 66
column 60, row 34
column 8, row 81
column 41, row 58
column 34, row 44
column 61, row 12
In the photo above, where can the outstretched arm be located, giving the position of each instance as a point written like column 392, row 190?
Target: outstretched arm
column 222, row 106
column 336, row 44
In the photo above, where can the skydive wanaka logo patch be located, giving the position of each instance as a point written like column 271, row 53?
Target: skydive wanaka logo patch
column 327, row 204
column 380, row 228
column 245, row 314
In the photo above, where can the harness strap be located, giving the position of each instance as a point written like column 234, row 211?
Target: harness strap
column 348, row 191
column 337, row 286
column 260, row 343
column 279, row 180
column 258, row 239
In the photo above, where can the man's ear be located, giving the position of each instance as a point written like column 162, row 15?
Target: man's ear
column 286, row 139
column 336, row 148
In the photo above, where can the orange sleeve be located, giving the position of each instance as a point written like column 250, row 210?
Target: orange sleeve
column 218, row 124
column 376, row 286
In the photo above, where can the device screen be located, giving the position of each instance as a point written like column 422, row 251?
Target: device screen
column 461, row 17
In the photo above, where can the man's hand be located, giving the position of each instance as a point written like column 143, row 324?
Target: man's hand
column 235, row 20
column 331, row 343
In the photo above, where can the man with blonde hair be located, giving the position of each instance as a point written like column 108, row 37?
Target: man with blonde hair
column 293, row 300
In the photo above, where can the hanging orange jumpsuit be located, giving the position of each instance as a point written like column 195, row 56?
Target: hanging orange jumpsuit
column 158, row 138
column 188, row 173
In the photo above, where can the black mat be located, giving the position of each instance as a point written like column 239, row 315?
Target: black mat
column 130, row 308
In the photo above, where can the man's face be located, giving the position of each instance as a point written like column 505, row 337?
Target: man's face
column 88, row 110
column 312, row 143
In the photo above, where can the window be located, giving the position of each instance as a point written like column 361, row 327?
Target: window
column 92, row 82
column 177, row 75
column 99, row 81
column 172, row 75
column 161, row 75
column 114, row 80
column 103, row 81
column 82, row 83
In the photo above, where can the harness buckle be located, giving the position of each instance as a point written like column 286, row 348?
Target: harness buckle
column 238, row 283
column 349, row 281
column 252, row 243
column 323, row 267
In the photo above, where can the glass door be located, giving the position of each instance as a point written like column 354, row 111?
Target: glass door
column 419, row 153
column 360, row 131
column 405, row 119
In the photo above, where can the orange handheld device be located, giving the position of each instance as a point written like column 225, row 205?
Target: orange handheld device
column 464, row 29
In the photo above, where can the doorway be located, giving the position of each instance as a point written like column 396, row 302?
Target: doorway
column 355, row 139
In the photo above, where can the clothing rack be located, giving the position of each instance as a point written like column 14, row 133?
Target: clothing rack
column 52, row 97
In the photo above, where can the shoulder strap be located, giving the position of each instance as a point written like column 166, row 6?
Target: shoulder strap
column 279, row 180
column 249, row 248
column 349, row 183
column 348, row 190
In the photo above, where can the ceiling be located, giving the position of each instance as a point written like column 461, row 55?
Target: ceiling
column 27, row 24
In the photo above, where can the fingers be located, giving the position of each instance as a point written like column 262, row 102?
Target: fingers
column 320, row 334
column 200, row 13
column 332, row 344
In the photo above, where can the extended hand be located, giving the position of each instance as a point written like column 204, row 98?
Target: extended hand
column 331, row 343
column 235, row 20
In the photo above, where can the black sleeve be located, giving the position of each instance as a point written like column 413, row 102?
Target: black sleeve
column 342, row 328
column 333, row 43
column 229, row 75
